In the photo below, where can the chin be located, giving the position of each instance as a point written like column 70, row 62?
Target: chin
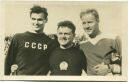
column 89, row 33
column 63, row 44
column 37, row 31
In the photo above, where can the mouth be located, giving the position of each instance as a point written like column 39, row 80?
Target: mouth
column 63, row 40
column 88, row 30
column 36, row 26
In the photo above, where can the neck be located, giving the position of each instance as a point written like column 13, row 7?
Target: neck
column 39, row 32
column 36, row 32
column 95, row 34
column 66, row 46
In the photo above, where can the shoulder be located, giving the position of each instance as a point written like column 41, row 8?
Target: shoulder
column 19, row 34
column 109, row 36
column 84, row 44
column 78, row 50
column 81, row 53
column 55, row 51
column 51, row 36
column 15, row 38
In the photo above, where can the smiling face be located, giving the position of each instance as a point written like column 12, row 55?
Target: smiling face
column 65, row 36
column 90, row 24
column 38, row 21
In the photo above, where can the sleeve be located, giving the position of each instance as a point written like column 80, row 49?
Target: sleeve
column 84, row 62
column 52, row 45
column 118, row 45
column 52, row 36
column 116, row 57
column 10, row 57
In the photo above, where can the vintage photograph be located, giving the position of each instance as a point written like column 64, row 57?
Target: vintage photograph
column 62, row 38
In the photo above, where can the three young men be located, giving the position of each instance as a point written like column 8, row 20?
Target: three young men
column 36, row 54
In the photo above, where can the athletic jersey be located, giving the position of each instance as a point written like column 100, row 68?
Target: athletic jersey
column 69, row 61
column 98, row 50
column 30, row 52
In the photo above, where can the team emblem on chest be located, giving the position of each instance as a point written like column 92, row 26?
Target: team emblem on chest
column 63, row 65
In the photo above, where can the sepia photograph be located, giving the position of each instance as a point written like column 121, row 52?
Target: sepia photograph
column 63, row 40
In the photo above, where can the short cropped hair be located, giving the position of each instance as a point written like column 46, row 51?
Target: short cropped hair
column 68, row 24
column 92, row 11
column 38, row 9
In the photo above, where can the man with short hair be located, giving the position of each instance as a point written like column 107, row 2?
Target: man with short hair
column 30, row 50
column 98, row 46
column 67, row 59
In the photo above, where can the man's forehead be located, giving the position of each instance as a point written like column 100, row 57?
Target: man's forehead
column 37, row 15
column 64, row 29
column 88, row 16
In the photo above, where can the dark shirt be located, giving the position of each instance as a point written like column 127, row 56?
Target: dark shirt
column 69, row 61
column 30, row 52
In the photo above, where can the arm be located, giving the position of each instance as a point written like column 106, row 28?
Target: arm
column 114, row 65
column 84, row 62
column 14, row 67
column 10, row 57
column 116, row 57
column 49, row 72
column 112, row 61
column 102, row 69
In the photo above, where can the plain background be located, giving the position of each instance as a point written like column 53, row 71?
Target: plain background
column 17, row 15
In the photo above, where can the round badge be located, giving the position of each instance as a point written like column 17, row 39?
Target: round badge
column 63, row 65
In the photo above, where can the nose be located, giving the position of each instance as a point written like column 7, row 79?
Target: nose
column 63, row 35
column 36, row 21
column 86, row 26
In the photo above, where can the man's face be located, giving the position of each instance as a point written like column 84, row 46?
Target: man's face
column 65, row 36
column 89, row 23
column 38, row 21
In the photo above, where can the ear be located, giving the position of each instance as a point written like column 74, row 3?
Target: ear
column 74, row 35
column 57, row 33
column 46, row 20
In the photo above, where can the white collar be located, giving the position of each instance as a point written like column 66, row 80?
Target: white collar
column 98, row 38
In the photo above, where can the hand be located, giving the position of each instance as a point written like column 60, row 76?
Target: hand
column 116, row 68
column 101, row 69
column 14, row 68
column 115, row 57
